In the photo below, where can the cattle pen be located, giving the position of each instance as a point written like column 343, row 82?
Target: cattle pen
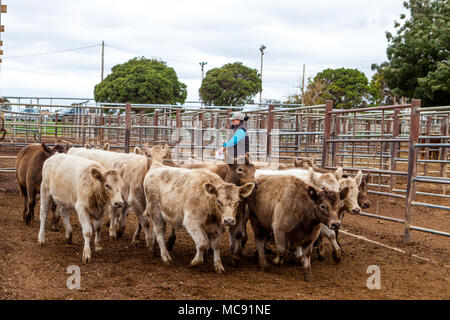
column 403, row 147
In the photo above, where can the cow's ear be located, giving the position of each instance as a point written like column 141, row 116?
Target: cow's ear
column 138, row 150
column 246, row 189
column 343, row 193
column 106, row 147
column 366, row 178
column 87, row 146
column 313, row 194
column 297, row 162
column 358, row 178
column 96, row 174
column 338, row 173
column 67, row 147
column 46, row 148
column 209, row 188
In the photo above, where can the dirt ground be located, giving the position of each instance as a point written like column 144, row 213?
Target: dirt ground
column 122, row 271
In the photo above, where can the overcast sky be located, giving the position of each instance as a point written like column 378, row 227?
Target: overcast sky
column 320, row 34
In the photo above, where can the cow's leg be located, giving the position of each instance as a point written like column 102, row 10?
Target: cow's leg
column 215, row 244
column 23, row 192
column 65, row 218
column 159, row 231
column 113, row 217
column 122, row 221
column 83, row 217
column 144, row 222
column 45, row 207
column 200, row 238
column 280, row 241
column 98, row 236
column 331, row 235
column 307, row 249
column 260, row 242
column 171, row 239
column 55, row 216
column 31, row 202
column 320, row 249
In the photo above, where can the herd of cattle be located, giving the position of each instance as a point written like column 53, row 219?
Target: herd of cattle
column 294, row 206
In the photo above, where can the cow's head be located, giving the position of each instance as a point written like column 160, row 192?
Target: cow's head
column 351, row 201
column 227, row 197
column 241, row 171
column 57, row 148
column 363, row 200
column 325, row 180
column 158, row 153
column 109, row 186
column 327, row 204
column 301, row 162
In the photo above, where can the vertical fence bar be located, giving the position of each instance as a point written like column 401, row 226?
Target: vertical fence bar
column 395, row 146
column 270, row 118
column 427, row 149
column 326, row 131
column 412, row 168
column 127, row 126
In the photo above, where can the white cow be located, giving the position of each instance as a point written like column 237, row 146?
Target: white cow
column 83, row 185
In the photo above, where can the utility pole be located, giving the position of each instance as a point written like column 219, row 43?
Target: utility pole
column 303, row 83
column 202, row 64
column 103, row 57
column 261, row 48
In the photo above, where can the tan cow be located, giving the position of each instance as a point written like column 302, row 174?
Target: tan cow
column 197, row 200
column 293, row 211
column 83, row 185
column 238, row 174
column 29, row 164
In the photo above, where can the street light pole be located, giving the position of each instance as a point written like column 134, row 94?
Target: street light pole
column 202, row 64
column 261, row 48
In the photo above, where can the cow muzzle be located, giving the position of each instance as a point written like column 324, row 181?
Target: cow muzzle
column 356, row 211
column 366, row 204
column 335, row 225
column 229, row 222
column 118, row 204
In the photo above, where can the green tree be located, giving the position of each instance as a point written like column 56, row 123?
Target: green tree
column 419, row 53
column 348, row 88
column 312, row 96
column 380, row 94
column 141, row 80
column 233, row 84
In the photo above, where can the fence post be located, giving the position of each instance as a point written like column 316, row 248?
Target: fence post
column 155, row 124
column 412, row 168
column 395, row 146
column 269, row 129
column 326, row 131
column 127, row 126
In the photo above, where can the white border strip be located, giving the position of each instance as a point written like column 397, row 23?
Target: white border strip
column 389, row 247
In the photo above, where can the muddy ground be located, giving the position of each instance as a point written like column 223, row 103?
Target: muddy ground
column 122, row 271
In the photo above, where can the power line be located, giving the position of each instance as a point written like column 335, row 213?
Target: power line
column 53, row 52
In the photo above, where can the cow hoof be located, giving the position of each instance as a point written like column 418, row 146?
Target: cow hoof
column 41, row 242
column 68, row 239
column 86, row 256
column 277, row 261
column 119, row 234
column 135, row 243
column 235, row 262
column 264, row 266
column 308, row 277
column 336, row 257
column 54, row 228
column 195, row 263
column 219, row 269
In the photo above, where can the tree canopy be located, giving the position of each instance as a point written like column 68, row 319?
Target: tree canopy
column 380, row 94
column 141, row 80
column 348, row 88
column 233, row 84
column 418, row 54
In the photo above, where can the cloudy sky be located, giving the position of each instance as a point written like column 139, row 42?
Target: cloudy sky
column 320, row 34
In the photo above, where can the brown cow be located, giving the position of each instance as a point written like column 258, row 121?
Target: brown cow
column 293, row 211
column 197, row 200
column 29, row 164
